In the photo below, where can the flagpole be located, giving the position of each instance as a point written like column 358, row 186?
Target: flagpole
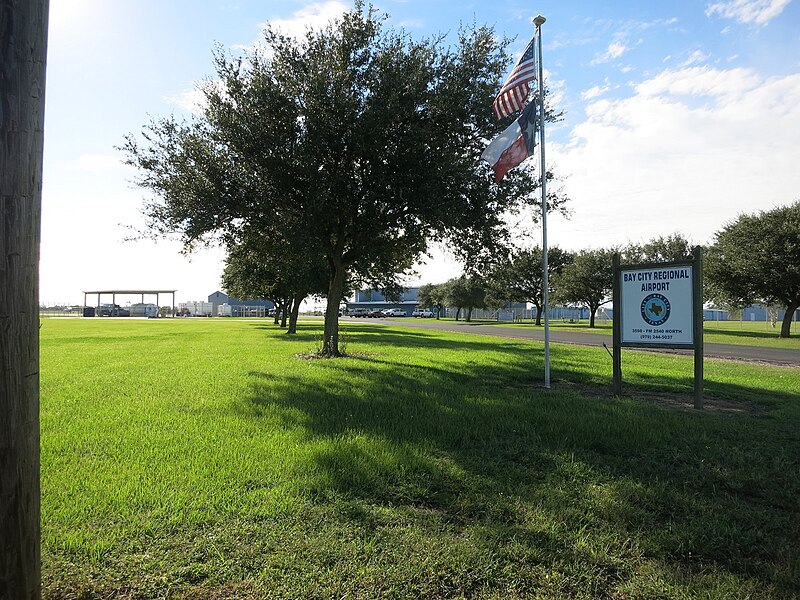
column 538, row 21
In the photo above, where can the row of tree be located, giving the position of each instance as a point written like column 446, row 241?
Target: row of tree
column 755, row 259
column 332, row 161
column 583, row 278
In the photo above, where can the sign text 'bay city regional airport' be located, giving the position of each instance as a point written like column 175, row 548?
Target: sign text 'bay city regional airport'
column 656, row 305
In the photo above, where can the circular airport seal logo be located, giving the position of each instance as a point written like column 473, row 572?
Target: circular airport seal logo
column 655, row 309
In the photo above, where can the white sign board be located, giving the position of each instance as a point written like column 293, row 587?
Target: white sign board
column 656, row 305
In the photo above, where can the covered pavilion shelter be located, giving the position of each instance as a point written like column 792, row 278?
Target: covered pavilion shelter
column 141, row 293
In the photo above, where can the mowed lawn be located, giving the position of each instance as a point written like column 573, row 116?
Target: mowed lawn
column 206, row 459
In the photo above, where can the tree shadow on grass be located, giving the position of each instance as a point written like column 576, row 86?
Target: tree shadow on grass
column 382, row 336
column 479, row 444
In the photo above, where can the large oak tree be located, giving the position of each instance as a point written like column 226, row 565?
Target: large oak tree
column 757, row 259
column 356, row 137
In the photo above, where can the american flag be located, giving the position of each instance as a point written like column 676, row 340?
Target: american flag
column 515, row 90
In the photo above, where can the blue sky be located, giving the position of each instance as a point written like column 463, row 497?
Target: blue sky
column 679, row 116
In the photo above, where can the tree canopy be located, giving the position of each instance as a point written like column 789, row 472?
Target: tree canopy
column 672, row 248
column 465, row 292
column 588, row 280
column 433, row 295
column 356, row 138
column 757, row 259
column 520, row 277
column 275, row 269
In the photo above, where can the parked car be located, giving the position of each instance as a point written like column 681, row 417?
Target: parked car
column 395, row 312
column 423, row 313
column 144, row 310
column 357, row 312
column 376, row 314
column 112, row 310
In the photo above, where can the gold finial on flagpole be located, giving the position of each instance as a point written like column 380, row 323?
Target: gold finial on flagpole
column 538, row 20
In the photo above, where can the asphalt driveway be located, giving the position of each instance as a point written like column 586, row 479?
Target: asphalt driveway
column 778, row 356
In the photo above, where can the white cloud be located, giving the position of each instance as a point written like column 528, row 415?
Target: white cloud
column 626, row 31
column 594, row 92
column 412, row 24
column 192, row 101
column 700, row 81
column 687, row 150
column 759, row 12
column 615, row 49
column 661, row 22
column 698, row 56
column 555, row 87
column 312, row 16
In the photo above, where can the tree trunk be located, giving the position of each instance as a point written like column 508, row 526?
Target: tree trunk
column 786, row 325
column 276, row 318
column 458, row 312
column 288, row 319
column 438, row 312
column 538, row 315
column 287, row 303
column 23, row 49
column 469, row 314
column 295, row 313
column 330, row 342
column 592, row 310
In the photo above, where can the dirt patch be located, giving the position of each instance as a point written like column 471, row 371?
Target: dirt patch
column 241, row 591
column 676, row 400
column 313, row 355
column 686, row 402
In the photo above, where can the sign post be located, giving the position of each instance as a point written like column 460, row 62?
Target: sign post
column 659, row 305
column 697, row 297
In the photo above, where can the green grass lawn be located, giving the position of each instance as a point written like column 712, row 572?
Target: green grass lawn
column 743, row 333
column 204, row 459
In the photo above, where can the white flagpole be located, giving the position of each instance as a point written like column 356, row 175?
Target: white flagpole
column 538, row 21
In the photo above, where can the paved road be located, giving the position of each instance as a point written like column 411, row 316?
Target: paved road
column 780, row 356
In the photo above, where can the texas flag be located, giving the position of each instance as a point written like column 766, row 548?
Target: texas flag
column 514, row 145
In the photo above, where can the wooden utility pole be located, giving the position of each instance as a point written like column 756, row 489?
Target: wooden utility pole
column 23, row 50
